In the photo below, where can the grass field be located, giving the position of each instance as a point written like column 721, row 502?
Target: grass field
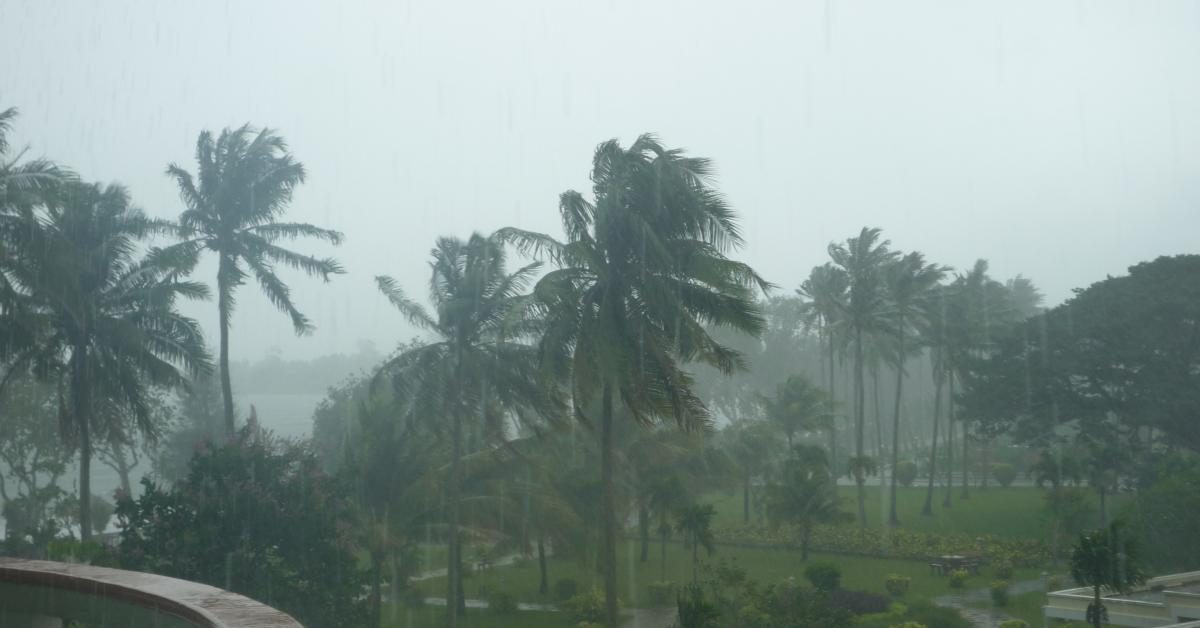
column 764, row 565
column 1005, row 512
column 435, row 617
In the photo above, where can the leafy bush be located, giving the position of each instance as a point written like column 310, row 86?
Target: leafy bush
column 586, row 606
column 1014, row 623
column 958, row 578
column 824, row 576
column 896, row 584
column 86, row 552
column 1004, row 474
column 661, row 593
column 502, row 603
column 999, row 591
column 694, row 611
column 927, row 613
column 858, row 602
column 1053, row 583
column 910, row 624
column 565, row 589
column 1003, row 570
column 906, row 472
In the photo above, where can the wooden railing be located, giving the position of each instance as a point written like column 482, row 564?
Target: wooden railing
column 186, row 603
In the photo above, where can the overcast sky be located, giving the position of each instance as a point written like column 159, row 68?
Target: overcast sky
column 1057, row 139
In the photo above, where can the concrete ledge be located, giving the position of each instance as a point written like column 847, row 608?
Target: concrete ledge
column 194, row 603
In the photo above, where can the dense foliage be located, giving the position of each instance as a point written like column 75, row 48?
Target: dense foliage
column 257, row 517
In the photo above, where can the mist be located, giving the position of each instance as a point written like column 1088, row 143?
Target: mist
column 1058, row 140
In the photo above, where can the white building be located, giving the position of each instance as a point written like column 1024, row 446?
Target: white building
column 1164, row 602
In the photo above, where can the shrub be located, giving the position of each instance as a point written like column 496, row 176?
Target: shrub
column 858, row 602
column 1004, row 570
column 1014, row 623
column 1053, row 583
column 824, row 576
column 565, row 589
column 589, row 624
column 926, row 613
column 502, row 603
column 586, row 606
column 999, row 591
column 661, row 593
column 909, row 624
column 1004, row 474
column 958, row 578
column 906, row 472
column 896, row 584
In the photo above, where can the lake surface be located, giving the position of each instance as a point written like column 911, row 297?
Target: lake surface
column 286, row 415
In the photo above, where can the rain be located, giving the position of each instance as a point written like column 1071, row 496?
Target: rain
column 615, row 314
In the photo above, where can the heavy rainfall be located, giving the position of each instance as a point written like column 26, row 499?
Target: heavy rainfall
column 600, row 315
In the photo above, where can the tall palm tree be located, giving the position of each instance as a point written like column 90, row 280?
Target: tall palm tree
column 643, row 270
column 109, row 319
column 243, row 185
column 862, row 258
column 910, row 282
column 825, row 290
column 477, row 367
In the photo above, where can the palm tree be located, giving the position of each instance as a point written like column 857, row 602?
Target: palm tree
column 477, row 367
column 1108, row 558
column 804, row 496
column 109, row 319
column 937, row 339
column 666, row 494
column 910, row 282
column 752, row 446
column 694, row 521
column 825, row 290
column 244, row 182
column 863, row 259
column 798, row 406
column 641, row 273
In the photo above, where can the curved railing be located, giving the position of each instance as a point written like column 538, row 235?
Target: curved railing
column 43, row 589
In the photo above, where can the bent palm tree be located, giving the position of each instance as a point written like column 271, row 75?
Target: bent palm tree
column 110, row 319
column 244, row 182
column 641, row 274
column 910, row 283
column 477, row 367
column 825, row 290
column 862, row 258
column 804, row 496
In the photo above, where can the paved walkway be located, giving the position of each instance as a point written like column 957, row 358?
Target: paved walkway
column 976, row 606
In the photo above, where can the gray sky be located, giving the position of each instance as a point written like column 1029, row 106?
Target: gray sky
column 1057, row 139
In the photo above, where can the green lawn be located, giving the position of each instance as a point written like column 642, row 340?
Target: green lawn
column 765, row 565
column 435, row 617
column 1005, row 512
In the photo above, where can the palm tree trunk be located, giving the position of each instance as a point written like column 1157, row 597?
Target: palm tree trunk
column 454, row 558
column 81, row 400
column 946, row 499
column 644, row 531
column 746, row 498
column 695, row 556
column 927, row 509
column 833, row 458
column 878, row 417
column 376, row 589
column 1097, row 615
column 965, row 440
column 859, row 419
column 544, row 580
column 609, row 506
column 894, row 520
column 663, row 551
column 223, row 310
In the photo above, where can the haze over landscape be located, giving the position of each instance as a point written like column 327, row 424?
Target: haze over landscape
column 1060, row 141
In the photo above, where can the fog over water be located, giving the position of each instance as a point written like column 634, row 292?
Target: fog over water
column 1058, row 140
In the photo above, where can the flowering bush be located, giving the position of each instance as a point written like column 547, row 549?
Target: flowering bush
column 897, row 585
column 958, row 578
column 585, row 607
